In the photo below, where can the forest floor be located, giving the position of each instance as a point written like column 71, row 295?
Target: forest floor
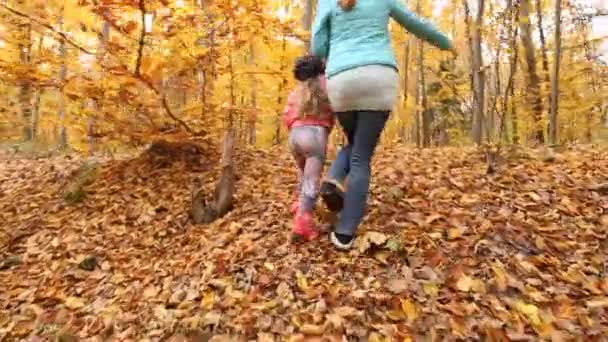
column 447, row 252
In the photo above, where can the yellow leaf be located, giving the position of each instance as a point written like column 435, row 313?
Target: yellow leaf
column 528, row 310
column 454, row 233
column 208, row 300
column 301, row 281
column 150, row 291
column 74, row 303
column 382, row 256
column 464, row 283
column 375, row 337
column 501, row 277
column 410, row 310
column 431, row 289
column 396, row 315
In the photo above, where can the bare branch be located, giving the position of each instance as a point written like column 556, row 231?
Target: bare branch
column 47, row 26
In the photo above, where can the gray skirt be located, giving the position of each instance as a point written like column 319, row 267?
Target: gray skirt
column 370, row 87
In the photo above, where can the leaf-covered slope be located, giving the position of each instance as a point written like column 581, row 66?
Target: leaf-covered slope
column 445, row 252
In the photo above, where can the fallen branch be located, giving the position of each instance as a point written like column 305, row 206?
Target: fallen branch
column 203, row 211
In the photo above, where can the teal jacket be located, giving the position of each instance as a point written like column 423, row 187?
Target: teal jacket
column 349, row 39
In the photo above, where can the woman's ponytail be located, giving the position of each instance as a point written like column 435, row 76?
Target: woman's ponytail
column 347, row 5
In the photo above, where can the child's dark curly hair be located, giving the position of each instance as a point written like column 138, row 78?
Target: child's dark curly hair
column 307, row 67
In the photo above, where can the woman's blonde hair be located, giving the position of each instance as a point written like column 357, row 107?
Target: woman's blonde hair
column 347, row 5
column 310, row 98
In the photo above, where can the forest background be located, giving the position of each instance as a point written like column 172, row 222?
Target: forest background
column 102, row 75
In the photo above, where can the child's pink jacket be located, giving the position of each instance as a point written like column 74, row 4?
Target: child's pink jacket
column 291, row 120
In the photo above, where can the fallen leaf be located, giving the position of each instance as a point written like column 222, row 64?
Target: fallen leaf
column 150, row 291
column 311, row 329
column 410, row 310
column 464, row 283
column 397, row 285
column 74, row 303
column 431, row 289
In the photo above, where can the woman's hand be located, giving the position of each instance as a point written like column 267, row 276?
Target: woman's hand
column 453, row 50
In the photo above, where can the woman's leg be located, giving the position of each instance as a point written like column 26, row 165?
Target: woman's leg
column 332, row 190
column 369, row 127
column 341, row 165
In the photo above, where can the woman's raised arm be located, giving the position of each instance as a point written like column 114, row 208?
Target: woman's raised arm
column 419, row 27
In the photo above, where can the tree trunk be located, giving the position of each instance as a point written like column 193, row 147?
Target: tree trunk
column 416, row 127
column 478, row 76
column 25, row 88
column 406, row 67
column 208, row 210
column 555, row 75
column 508, row 93
column 282, row 84
column 427, row 118
column 37, row 96
column 105, row 35
column 62, row 134
column 533, row 91
column 307, row 19
column 252, row 117
column 427, row 114
column 543, row 44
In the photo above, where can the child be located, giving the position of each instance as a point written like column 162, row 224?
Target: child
column 309, row 119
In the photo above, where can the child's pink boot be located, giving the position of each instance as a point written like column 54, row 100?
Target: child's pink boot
column 304, row 227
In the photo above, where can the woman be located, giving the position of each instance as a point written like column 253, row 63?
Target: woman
column 362, row 84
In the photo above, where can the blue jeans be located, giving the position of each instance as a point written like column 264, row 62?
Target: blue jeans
column 363, row 130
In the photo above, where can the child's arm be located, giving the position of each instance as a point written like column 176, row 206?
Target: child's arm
column 419, row 27
column 319, row 41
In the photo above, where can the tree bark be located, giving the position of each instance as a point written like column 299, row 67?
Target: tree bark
column 282, row 84
column 555, row 75
column 307, row 19
column 508, row 93
column 406, row 67
column 543, row 44
column 534, row 95
column 252, row 117
column 478, row 76
column 62, row 137
column 25, row 88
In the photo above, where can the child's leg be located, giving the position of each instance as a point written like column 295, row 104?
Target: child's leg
column 316, row 144
column 294, row 142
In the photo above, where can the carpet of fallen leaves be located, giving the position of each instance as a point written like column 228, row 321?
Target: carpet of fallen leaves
column 447, row 252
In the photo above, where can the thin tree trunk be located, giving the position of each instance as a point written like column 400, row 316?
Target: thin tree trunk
column 533, row 90
column 508, row 93
column 478, row 76
column 555, row 75
column 427, row 115
column 37, row 96
column 282, row 84
column 252, row 117
column 307, row 19
column 543, row 44
column 105, row 34
column 25, row 87
column 406, row 67
column 62, row 134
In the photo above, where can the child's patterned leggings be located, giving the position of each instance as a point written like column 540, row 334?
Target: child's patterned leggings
column 308, row 145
